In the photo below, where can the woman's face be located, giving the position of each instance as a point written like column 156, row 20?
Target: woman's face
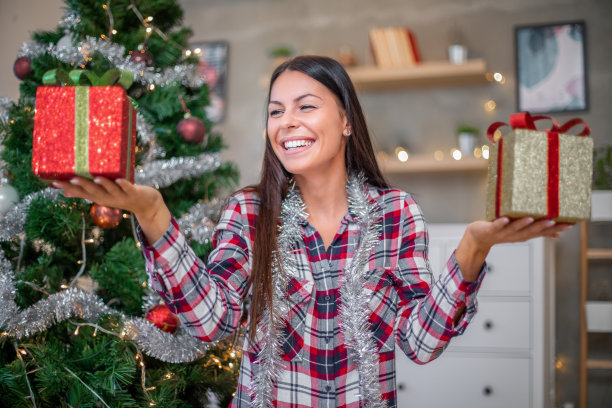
column 305, row 125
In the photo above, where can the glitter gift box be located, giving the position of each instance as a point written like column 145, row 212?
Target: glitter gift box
column 542, row 174
column 83, row 130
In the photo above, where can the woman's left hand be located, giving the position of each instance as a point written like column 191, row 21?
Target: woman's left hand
column 480, row 236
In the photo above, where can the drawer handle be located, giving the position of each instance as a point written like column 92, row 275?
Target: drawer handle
column 488, row 324
column 401, row 386
column 487, row 390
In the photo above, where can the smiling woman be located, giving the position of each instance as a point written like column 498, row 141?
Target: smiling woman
column 331, row 261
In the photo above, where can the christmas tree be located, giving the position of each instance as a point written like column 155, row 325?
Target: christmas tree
column 80, row 325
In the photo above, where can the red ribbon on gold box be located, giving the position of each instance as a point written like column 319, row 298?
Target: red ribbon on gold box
column 540, row 173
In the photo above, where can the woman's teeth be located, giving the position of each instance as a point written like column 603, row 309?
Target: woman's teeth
column 292, row 144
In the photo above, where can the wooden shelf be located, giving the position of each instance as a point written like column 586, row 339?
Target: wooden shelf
column 599, row 253
column 599, row 364
column 427, row 164
column 429, row 73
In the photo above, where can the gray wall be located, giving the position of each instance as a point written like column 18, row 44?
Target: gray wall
column 421, row 119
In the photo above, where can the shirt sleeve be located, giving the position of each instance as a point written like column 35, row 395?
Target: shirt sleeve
column 207, row 298
column 427, row 310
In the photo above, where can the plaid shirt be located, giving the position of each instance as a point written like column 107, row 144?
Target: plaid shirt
column 407, row 308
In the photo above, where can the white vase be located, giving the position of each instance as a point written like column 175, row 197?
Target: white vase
column 601, row 205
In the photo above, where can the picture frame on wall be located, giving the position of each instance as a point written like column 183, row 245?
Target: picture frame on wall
column 551, row 67
column 213, row 69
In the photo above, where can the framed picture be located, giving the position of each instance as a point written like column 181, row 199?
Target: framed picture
column 213, row 70
column 551, row 67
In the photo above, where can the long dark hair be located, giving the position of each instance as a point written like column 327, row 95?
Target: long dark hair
column 273, row 185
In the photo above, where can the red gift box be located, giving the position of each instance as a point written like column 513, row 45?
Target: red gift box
column 83, row 131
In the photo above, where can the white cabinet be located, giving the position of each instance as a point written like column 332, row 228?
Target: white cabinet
column 505, row 358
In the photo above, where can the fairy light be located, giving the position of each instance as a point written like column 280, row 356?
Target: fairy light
column 144, row 284
column 114, row 31
column 187, row 53
column 490, row 105
column 485, row 152
column 401, row 153
column 456, row 154
column 23, row 352
column 76, row 332
column 438, row 155
column 151, row 87
column 148, row 30
column 149, row 19
column 64, row 286
column 478, row 152
column 499, row 78
column 197, row 51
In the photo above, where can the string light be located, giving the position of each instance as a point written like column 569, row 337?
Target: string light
column 490, row 105
column 76, row 332
column 438, row 155
column 456, row 154
column 401, row 153
column 485, row 152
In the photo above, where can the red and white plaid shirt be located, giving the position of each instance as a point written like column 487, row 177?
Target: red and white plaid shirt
column 407, row 308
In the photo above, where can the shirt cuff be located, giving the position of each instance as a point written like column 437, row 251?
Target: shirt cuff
column 463, row 292
column 154, row 252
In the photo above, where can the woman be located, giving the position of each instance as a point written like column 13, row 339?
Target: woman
column 332, row 262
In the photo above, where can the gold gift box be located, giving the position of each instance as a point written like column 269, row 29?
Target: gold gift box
column 525, row 173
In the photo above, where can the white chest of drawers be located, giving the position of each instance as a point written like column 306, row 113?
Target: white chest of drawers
column 505, row 358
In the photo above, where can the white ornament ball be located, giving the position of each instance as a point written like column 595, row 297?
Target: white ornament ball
column 8, row 198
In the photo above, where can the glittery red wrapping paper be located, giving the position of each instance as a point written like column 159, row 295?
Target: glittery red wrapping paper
column 53, row 149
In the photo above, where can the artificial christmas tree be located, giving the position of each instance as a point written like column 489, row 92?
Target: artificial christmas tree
column 76, row 307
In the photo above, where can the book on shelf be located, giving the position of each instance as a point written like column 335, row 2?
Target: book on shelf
column 394, row 47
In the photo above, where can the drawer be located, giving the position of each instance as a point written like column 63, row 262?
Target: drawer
column 509, row 265
column 475, row 382
column 509, row 269
column 497, row 324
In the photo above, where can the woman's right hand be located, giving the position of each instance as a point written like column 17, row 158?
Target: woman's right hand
column 145, row 202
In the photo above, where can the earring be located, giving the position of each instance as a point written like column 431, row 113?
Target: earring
column 347, row 132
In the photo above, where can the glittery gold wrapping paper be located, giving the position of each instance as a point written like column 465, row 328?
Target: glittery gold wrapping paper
column 524, row 170
column 85, row 131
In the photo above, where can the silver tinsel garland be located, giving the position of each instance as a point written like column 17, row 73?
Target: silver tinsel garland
column 77, row 54
column 162, row 173
column 354, row 300
column 269, row 360
column 354, row 310
column 76, row 303
column 13, row 222
column 198, row 223
column 5, row 105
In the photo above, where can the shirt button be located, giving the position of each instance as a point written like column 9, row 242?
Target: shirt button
column 327, row 339
column 328, row 388
column 327, row 297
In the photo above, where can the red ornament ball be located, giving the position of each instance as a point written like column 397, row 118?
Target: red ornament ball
column 142, row 56
column 191, row 129
column 22, row 67
column 162, row 317
column 105, row 217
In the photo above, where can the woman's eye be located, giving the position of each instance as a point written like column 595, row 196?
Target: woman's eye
column 307, row 107
column 275, row 113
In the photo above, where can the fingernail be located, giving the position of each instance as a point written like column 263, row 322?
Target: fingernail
column 55, row 184
column 74, row 181
column 550, row 223
column 530, row 220
column 97, row 180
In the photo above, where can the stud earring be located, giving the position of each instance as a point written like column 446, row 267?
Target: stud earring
column 347, row 132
